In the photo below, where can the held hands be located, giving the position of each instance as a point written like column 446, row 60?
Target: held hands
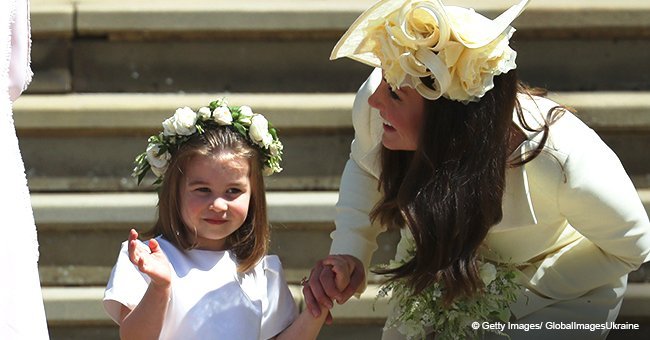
column 337, row 277
column 150, row 260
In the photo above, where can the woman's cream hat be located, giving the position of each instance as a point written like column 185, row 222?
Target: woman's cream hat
column 458, row 48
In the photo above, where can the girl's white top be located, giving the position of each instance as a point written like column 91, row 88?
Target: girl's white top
column 209, row 299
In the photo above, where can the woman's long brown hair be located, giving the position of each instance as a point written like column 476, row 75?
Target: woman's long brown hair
column 450, row 193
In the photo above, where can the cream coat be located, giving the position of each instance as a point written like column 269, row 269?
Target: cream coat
column 572, row 213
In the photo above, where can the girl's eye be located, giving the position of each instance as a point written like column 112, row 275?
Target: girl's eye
column 233, row 191
column 203, row 189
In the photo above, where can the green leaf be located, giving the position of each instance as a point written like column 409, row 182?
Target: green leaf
column 240, row 128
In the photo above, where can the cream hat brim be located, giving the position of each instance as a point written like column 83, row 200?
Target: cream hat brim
column 476, row 35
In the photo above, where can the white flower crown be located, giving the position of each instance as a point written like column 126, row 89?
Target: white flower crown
column 178, row 129
column 458, row 49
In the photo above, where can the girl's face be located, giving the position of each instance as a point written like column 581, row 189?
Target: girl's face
column 402, row 112
column 215, row 194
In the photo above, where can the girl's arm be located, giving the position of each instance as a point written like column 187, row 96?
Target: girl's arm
column 306, row 326
column 145, row 321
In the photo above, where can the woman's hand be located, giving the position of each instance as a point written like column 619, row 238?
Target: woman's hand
column 150, row 260
column 337, row 277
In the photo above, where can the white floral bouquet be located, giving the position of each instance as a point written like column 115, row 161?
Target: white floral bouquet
column 185, row 122
column 417, row 315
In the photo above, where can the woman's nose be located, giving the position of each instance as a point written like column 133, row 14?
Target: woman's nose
column 375, row 99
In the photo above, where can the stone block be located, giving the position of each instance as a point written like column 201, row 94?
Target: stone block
column 51, row 65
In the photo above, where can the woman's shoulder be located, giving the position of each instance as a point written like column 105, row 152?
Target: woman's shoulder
column 566, row 131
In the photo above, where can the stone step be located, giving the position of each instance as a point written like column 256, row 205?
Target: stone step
column 96, row 224
column 91, row 17
column 165, row 46
column 106, row 131
column 73, row 312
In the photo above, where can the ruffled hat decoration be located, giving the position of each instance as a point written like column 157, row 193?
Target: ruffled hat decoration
column 459, row 49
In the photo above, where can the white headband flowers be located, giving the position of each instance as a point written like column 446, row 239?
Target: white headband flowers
column 185, row 123
column 459, row 49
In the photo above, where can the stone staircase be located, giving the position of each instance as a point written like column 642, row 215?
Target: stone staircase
column 108, row 72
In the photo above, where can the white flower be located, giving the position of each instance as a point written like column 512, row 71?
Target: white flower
column 204, row 113
column 168, row 127
column 475, row 70
column 159, row 172
column 487, row 272
column 245, row 115
column 276, row 148
column 184, row 121
column 259, row 131
column 157, row 160
column 222, row 115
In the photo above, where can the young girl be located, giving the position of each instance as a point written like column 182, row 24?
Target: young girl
column 206, row 274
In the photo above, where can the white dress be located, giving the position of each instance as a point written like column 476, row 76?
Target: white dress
column 21, row 304
column 209, row 299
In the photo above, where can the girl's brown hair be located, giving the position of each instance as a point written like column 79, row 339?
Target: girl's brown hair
column 250, row 242
column 450, row 192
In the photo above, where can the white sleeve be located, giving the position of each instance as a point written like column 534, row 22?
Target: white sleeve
column 281, row 308
column 358, row 191
column 600, row 202
column 126, row 285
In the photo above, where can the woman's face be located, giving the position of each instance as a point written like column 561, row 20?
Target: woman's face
column 215, row 196
column 402, row 111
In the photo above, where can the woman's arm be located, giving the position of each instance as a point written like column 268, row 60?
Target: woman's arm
column 358, row 194
column 145, row 321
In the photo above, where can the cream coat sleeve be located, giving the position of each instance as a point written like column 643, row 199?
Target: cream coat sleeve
column 600, row 202
column 358, row 193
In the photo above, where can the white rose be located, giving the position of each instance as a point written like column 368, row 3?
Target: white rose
column 259, row 131
column 204, row 113
column 488, row 273
column 157, row 160
column 222, row 115
column 245, row 115
column 159, row 172
column 476, row 68
column 168, row 127
column 185, row 121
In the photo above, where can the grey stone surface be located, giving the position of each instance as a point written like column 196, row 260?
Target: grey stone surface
column 51, row 65
column 302, row 66
column 212, row 66
column 314, row 159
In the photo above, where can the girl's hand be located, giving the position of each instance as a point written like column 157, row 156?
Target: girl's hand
column 150, row 260
column 344, row 271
